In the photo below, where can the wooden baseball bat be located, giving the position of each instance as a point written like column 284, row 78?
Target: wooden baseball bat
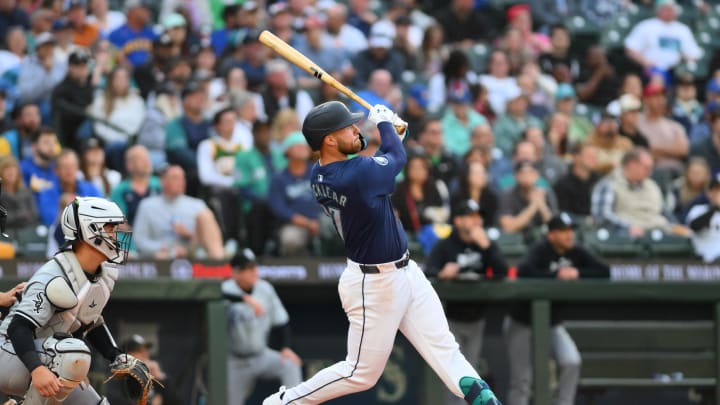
column 303, row 62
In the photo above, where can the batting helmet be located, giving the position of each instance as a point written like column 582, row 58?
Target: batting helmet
column 326, row 118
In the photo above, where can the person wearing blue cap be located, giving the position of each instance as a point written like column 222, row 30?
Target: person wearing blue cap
column 293, row 202
column 416, row 105
column 579, row 127
column 459, row 118
column 133, row 40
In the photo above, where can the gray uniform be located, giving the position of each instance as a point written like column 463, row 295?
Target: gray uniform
column 50, row 317
column 250, row 357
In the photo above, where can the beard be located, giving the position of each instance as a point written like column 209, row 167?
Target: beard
column 351, row 148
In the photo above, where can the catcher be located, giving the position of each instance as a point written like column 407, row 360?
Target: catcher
column 44, row 357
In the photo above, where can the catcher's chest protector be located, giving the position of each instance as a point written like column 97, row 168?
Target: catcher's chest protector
column 91, row 296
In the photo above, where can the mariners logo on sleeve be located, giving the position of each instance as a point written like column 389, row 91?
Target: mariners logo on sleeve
column 381, row 160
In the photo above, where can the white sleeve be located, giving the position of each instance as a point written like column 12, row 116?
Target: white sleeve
column 636, row 39
column 436, row 92
column 34, row 305
column 303, row 105
column 142, row 231
column 695, row 212
column 135, row 120
column 209, row 176
column 689, row 46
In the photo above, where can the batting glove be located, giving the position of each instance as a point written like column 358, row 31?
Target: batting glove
column 400, row 126
column 379, row 113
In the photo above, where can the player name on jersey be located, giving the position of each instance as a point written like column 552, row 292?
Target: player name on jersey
column 324, row 191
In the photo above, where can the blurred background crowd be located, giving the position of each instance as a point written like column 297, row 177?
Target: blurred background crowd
column 606, row 110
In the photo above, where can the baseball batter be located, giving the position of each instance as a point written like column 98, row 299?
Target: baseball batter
column 382, row 289
column 43, row 356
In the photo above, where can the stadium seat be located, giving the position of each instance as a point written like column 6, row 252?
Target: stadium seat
column 662, row 244
column 31, row 241
column 510, row 244
column 606, row 243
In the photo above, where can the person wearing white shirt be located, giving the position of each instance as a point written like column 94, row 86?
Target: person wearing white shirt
column 499, row 84
column 344, row 36
column 105, row 19
column 662, row 42
column 704, row 220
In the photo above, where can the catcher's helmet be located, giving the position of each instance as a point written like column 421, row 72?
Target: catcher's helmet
column 326, row 118
column 84, row 219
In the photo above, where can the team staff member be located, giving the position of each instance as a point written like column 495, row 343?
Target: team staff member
column 254, row 311
column 467, row 254
column 556, row 256
column 381, row 289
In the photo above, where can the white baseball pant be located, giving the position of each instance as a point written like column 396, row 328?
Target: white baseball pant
column 377, row 305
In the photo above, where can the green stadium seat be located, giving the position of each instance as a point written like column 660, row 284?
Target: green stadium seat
column 478, row 56
column 31, row 241
column 667, row 245
column 579, row 25
column 510, row 244
column 607, row 243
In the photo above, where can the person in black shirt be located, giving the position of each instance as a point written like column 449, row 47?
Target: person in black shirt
column 559, row 62
column 555, row 257
column 574, row 189
column 467, row 254
column 462, row 23
column 598, row 82
column 71, row 98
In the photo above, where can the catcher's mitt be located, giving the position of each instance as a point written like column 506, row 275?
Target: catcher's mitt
column 136, row 375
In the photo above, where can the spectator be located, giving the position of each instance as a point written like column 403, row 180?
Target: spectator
column 519, row 17
column 598, row 83
column 550, row 165
column 344, row 37
column 709, row 148
column 118, row 114
column 551, row 14
column 632, row 84
column 416, row 109
column 361, row 16
column 140, row 183
column 133, row 40
column 686, row 191
column 668, row 141
column 221, row 36
column 456, row 68
column 149, row 77
column 379, row 55
column 12, row 15
column 686, row 109
column 15, row 52
column 378, row 90
column 431, row 55
column 254, row 168
column 174, row 224
column 574, row 189
column 459, row 119
column 282, row 92
column 72, row 96
column 509, row 127
column 467, row 254
column 556, row 256
column 419, row 199
column 443, row 165
column 281, row 21
column 175, row 27
column 539, row 87
column 517, row 51
column 659, row 44
column 474, row 187
column 40, row 73
column 628, row 199
column 558, row 61
column 27, row 124
column 557, row 134
column 316, row 45
column 16, row 198
column 184, row 134
column 579, row 127
column 253, row 60
column 525, row 151
column 611, row 147
column 501, row 87
column 408, row 36
column 285, row 123
column 630, row 107
column 103, row 18
column 245, row 109
column 526, row 206
column 704, row 220
column 38, row 170
column 84, row 33
column 163, row 390
column 483, row 141
column 64, row 36
column 216, row 163
column 463, row 24
column 254, row 313
column 94, row 169
column 292, row 200
column 66, row 169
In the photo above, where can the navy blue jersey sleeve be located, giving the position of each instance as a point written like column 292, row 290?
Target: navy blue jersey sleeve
column 378, row 173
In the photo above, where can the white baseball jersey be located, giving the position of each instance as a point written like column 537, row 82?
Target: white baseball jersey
column 48, row 318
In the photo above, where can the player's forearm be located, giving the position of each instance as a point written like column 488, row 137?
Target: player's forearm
column 21, row 336
column 391, row 145
column 100, row 338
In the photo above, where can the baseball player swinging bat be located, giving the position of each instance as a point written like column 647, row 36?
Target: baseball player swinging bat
column 295, row 57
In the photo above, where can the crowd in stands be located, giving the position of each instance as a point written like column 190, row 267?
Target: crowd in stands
column 178, row 113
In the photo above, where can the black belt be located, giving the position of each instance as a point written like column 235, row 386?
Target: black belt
column 374, row 269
